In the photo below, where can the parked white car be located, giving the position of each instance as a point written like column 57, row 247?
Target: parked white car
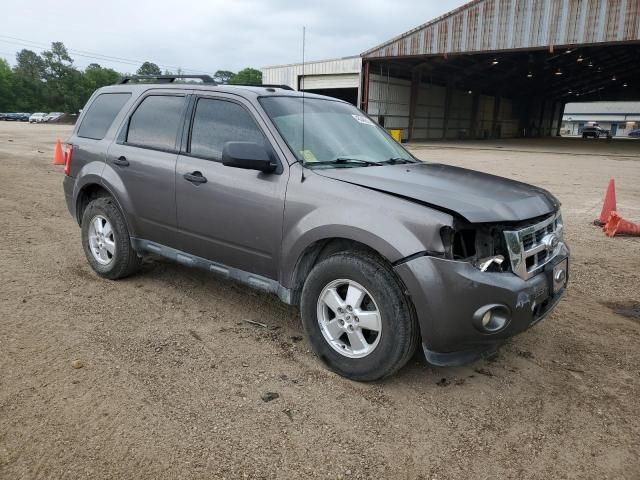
column 53, row 116
column 37, row 117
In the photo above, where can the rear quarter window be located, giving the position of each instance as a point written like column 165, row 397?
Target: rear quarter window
column 101, row 113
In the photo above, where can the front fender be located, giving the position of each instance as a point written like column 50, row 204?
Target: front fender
column 321, row 209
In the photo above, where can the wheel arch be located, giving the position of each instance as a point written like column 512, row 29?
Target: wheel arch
column 97, row 189
column 320, row 249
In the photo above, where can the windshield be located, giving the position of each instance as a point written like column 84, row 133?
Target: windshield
column 335, row 133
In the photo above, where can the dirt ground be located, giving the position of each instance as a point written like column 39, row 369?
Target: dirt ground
column 172, row 375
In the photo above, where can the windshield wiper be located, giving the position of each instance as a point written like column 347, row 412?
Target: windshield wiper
column 398, row 160
column 342, row 161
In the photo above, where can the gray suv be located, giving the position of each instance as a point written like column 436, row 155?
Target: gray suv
column 308, row 199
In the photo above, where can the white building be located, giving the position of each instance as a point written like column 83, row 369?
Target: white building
column 339, row 77
column 618, row 117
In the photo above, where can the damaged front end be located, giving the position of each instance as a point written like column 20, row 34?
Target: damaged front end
column 492, row 282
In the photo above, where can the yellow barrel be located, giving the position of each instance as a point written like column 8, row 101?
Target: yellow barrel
column 397, row 135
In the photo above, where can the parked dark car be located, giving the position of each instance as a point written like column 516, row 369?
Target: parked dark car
column 380, row 251
column 634, row 133
column 2, row 116
column 12, row 117
column 595, row 132
column 24, row 117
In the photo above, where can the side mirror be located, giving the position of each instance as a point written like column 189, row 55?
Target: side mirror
column 247, row 155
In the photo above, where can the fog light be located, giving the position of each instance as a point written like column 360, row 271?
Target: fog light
column 491, row 318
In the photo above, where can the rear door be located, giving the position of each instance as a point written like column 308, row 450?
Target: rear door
column 144, row 160
column 235, row 217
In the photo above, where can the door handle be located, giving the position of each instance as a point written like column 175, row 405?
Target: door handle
column 121, row 161
column 195, row 177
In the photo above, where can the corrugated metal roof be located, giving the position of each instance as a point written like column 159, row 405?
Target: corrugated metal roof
column 602, row 108
column 494, row 25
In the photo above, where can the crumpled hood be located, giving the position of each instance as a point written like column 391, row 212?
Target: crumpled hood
column 476, row 196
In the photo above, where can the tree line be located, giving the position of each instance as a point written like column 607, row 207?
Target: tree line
column 49, row 82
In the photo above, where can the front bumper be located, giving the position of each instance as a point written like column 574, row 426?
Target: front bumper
column 447, row 293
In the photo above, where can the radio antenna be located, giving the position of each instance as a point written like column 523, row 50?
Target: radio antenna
column 304, row 34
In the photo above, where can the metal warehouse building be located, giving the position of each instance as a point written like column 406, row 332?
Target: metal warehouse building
column 496, row 68
column 620, row 118
column 338, row 78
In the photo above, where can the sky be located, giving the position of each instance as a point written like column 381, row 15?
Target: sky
column 208, row 35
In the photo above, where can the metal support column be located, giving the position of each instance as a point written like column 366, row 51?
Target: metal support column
column 413, row 100
column 364, row 101
column 447, row 107
column 496, row 113
column 473, row 124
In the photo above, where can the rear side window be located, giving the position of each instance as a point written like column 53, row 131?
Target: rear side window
column 218, row 121
column 101, row 113
column 156, row 122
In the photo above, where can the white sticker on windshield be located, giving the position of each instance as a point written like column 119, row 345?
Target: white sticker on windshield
column 364, row 120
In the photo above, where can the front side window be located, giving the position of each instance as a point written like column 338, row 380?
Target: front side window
column 100, row 115
column 156, row 122
column 216, row 122
column 334, row 133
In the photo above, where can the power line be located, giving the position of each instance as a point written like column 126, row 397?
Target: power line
column 93, row 55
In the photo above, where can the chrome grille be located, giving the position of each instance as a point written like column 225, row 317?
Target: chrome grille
column 531, row 248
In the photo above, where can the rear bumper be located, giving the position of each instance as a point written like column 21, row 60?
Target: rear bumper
column 68, row 185
column 447, row 293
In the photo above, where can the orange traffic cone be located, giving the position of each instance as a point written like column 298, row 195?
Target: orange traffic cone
column 58, row 156
column 616, row 225
column 609, row 204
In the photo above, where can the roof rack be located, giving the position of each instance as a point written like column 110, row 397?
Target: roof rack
column 166, row 78
column 265, row 85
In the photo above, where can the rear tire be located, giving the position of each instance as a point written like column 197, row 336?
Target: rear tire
column 385, row 350
column 106, row 240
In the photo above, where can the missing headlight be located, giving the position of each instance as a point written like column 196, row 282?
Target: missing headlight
column 480, row 244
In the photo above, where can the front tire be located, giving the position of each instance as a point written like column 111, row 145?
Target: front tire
column 357, row 318
column 106, row 240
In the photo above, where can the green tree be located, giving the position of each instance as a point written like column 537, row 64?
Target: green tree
column 62, row 80
column 29, row 65
column 7, row 95
column 96, row 76
column 29, row 89
column 223, row 76
column 247, row 75
column 149, row 68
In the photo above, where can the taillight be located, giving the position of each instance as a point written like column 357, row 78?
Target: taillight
column 68, row 155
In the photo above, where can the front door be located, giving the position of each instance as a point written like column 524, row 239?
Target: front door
column 229, row 215
column 143, row 159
